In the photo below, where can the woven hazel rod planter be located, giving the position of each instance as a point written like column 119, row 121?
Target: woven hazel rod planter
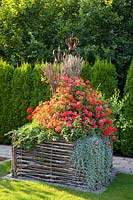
column 56, row 162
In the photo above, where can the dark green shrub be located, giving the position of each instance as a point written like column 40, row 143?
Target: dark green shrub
column 21, row 94
column 28, row 30
column 127, row 146
column 103, row 77
column 90, row 55
column 6, row 75
column 40, row 89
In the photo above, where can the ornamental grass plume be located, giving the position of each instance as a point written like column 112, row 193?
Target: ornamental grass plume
column 71, row 66
column 76, row 110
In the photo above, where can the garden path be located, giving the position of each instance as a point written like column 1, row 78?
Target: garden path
column 120, row 164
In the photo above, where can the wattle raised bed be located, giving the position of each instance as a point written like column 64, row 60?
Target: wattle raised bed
column 53, row 162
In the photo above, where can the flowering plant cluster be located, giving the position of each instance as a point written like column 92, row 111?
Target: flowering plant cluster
column 75, row 110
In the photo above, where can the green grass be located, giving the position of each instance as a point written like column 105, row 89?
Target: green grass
column 5, row 168
column 119, row 189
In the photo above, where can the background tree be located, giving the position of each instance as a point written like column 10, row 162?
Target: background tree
column 108, row 27
column 32, row 29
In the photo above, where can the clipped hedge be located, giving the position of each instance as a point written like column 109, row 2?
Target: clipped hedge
column 103, row 77
column 127, row 145
column 6, row 75
column 20, row 88
column 21, row 94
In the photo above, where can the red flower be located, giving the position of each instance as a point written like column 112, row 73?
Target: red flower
column 29, row 117
column 115, row 129
column 89, row 114
column 103, row 114
column 29, row 110
column 113, row 138
column 93, row 125
column 65, row 114
column 101, row 127
column 98, row 109
column 110, row 121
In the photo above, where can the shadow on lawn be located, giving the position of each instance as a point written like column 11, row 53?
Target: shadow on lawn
column 26, row 190
column 22, row 188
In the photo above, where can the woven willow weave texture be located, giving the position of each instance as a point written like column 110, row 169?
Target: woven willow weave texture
column 84, row 164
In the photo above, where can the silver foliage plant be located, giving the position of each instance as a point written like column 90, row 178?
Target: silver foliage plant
column 92, row 158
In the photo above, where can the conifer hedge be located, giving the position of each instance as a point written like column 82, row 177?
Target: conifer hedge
column 21, row 94
column 103, row 77
column 6, row 75
column 20, row 88
column 127, row 145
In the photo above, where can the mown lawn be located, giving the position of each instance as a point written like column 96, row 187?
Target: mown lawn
column 5, row 168
column 120, row 189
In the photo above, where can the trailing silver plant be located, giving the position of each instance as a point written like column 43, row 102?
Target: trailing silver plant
column 92, row 158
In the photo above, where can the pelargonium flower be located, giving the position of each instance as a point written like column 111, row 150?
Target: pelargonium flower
column 29, row 110
column 29, row 117
column 75, row 110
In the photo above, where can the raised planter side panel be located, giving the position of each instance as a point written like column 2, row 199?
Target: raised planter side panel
column 53, row 162
column 50, row 162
